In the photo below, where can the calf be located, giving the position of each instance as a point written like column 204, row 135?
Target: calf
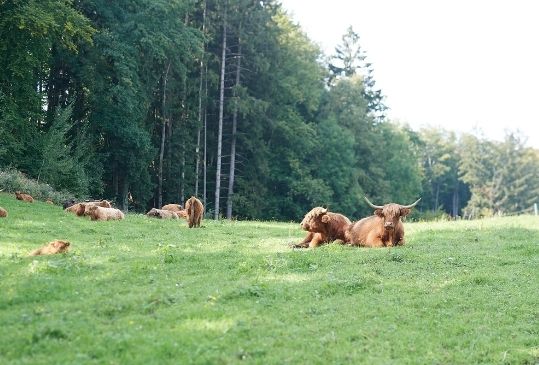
column 51, row 248
column 384, row 228
column 323, row 227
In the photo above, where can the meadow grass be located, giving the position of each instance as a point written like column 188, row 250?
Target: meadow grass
column 148, row 291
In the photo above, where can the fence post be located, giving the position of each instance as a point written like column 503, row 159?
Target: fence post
column 535, row 208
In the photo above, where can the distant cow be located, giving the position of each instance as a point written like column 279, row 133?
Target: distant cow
column 323, row 227
column 98, row 203
column 3, row 213
column 49, row 201
column 162, row 214
column 195, row 210
column 382, row 229
column 104, row 214
column 24, row 197
column 51, row 248
column 172, row 207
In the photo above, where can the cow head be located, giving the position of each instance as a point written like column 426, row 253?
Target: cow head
column 391, row 213
column 61, row 246
column 315, row 220
column 153, row 213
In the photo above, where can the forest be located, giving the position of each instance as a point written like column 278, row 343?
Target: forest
column 147, row 102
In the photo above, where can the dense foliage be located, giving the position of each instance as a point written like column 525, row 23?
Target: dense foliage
column 150, row 101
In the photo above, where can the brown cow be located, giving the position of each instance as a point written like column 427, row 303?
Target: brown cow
column 385, row 228
column 172, row 207
column 98, row 213
column 51, row 248
column 98, row 203
column 24, row 197
column 323, row 227
column 77, row 209
column 182, row 213
column 3, row 213
column 162, row 213
column 195, row 210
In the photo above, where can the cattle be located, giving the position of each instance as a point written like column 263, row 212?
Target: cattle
column 52, row 248
column 98, row 213
column 195, row 210
column 97, row 203
column 382, row 229
column 3, row 213
column 182, row 213
column 68, row 203
column 162, row 214
column 24, row 197
column 323, row 227
column 49, row 201
column 78, row 209
column 172, row 207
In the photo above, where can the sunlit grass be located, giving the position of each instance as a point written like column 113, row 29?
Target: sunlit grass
column 153, row 291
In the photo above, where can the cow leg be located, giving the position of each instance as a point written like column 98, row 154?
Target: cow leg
column 317, row 240
column 305, row 242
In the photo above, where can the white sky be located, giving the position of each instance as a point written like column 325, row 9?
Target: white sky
column 459, row 64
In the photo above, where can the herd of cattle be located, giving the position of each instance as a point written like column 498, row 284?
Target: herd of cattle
column 382, row 229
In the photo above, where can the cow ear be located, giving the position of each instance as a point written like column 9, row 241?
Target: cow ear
column 405, row 211
column 379, row 213
column 325, row 218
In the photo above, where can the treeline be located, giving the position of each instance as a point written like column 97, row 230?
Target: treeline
column 151, row 101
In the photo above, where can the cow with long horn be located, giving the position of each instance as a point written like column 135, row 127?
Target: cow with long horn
column 382, row 229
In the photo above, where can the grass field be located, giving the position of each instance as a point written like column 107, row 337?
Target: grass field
column 146, row 291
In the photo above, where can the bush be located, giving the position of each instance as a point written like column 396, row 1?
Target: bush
column 12, row 180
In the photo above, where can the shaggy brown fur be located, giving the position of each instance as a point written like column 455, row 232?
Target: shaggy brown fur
column 195, row 210
column 162, row 214
column 24, row 197
column 172, row 207
column 77, row 209
column 96, row 203
column 3, row 213
column 323, row 227
column 183, row 214
column 384, row 228
column 105, row 214
column 51, row 248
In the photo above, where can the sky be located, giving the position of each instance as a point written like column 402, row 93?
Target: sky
column 464, row 65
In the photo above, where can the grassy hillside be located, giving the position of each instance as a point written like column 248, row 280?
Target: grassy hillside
column 145, row 291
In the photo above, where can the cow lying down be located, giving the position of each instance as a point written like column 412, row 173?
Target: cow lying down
column 384, row 228
column 162, row 214
column 323, row 227
column 54, row 247
column 97, row 213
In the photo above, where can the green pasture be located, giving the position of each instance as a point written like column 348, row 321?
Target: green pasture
column 147, row 291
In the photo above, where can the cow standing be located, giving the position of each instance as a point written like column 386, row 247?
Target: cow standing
column 384, row 228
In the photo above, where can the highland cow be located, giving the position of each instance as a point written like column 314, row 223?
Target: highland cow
column 323, row 227
column 3, row 213
column 98, row 213
column 51, row 248
column 24, row 197
column 172, row 207
column 78, row 209
column 195, row 210
column 162, row 214
column 382, row 229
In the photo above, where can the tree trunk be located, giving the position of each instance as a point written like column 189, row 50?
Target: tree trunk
column 205, row 143
column 125, row 194
column 163, row 136
column 220, row 129
column 233, row 143
column 200, row 86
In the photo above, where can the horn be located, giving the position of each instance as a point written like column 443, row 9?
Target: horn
column 372, row 205
column 324, row 210
column 411, row 205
